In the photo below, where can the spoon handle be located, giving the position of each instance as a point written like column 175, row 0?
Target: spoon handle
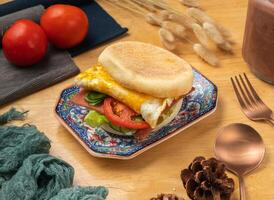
column 242, row 188
column 271, row 120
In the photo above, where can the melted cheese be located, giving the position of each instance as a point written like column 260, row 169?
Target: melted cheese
column 97, row 79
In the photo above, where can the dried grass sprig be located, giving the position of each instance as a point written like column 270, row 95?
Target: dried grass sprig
column 191, row 3
column 182, row 19
column 148, row 6
column 203, row 17
column 174, row 15
column 226, row 46
column 200, row 15
column 174, row 25
column 177, row 29
column 164, row 14
column 200, row 33
column 166, row 35
column 206, row 54
column 225, row 32
column 167, row 39
column 157, row 3
column 139, row 7
column 163, row 6
column 171, row 46
column 215, row 35
column 154, row 19
column 124, row 6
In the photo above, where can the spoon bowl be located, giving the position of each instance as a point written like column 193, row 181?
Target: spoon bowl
column 241, row 148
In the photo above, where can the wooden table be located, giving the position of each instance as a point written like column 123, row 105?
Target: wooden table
column 157, row 170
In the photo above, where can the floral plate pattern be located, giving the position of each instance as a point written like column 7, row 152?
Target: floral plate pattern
column 197, row 105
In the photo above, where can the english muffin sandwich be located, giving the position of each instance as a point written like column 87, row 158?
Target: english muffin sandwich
column 135, row 89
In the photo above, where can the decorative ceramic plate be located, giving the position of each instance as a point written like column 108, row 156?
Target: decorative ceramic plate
column 196, row 106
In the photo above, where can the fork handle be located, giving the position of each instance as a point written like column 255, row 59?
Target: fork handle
column 271, row 120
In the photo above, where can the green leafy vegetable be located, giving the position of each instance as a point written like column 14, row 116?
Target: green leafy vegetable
column 96, row 95
column 138, row 118
column 125, row 131
column 95, row 119
column 95, row 98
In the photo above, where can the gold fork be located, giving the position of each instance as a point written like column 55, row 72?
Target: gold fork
column 252, row 105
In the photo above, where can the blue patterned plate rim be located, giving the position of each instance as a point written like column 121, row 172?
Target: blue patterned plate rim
column 127, row 149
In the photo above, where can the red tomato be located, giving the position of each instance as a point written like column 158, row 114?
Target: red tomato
column 120, row 115
column 65, row 25
column 24, row 43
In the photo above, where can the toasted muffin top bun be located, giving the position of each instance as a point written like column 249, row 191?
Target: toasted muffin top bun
column 147, row 69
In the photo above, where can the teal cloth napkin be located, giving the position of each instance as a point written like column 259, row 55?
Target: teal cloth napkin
column 28, row 172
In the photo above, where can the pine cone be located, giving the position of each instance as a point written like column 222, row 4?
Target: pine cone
column 207, row 180
column 166, row 197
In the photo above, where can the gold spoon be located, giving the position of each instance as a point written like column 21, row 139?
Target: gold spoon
column 241, row 148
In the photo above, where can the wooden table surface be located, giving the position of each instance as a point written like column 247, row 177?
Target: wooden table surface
column 158, row 169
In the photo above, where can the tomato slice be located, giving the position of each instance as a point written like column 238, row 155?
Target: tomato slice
column 121, row 115
column 79, row 99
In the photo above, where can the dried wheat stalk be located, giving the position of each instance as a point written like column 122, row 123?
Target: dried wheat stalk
column 200, row 34
column 157, row 3
column 191, row 3
column 175, row 15
column 166, row 35
column 124, row 6
column 195, row 13
column 173, row 25
column 225, row 32
column 177, row 29
column 164, row 14
column 141, row 7
column 157, row 19
column 202, row 17
column 215, row 35
column 182, row 19
column 154, row 19
column 206, row 54
column 226, row 46
column 171, row 46
column 148, row 6
column 172, row 14
column 199, row 15
column 167, row 39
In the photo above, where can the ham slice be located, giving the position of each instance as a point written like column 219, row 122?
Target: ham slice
column 79, row 99
column 142, row 134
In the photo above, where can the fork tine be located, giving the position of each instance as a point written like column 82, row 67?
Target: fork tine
column 255, row 95
column 238, row 94
column 247, row 90
column 242, row 92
